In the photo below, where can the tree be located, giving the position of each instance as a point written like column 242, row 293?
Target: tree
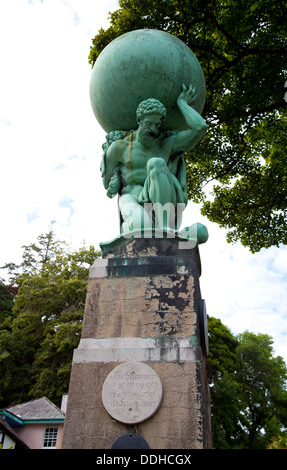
column 35, row 257
column 38, row 339
column 248, row 389
column 242, row 49
column 222, row 364
column 7, row 294
column 279, row 442
column 263, row 388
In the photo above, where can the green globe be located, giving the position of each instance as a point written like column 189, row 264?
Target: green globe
column 143, row 64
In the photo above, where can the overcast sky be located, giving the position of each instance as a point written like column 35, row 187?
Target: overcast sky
column 50, row 147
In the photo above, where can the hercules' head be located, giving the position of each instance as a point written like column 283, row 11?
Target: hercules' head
column 150, row 106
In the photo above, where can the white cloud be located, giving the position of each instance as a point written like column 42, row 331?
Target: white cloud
column 50, row 156
column 46, row 121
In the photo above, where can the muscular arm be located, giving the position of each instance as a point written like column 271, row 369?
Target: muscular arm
column 110, row 161
column 186, row 140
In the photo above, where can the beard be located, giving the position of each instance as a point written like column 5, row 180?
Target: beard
column 146, row 136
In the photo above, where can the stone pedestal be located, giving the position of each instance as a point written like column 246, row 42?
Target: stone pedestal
column 143, row 308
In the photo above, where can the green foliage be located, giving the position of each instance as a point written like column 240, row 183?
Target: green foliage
column 263, row 386
column 222, row 364
column 278, row 442
column 7, row 294
column 248, row 389
column 222, row 357
column 38, row 339
column 242, row 49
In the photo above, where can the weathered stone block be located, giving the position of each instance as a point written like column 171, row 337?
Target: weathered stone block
column 151, row 318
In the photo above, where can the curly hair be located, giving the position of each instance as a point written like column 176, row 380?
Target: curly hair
column 150, row 106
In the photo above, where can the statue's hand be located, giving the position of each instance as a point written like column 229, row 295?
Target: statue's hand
column 143, row 196
column 115, row 184
column 187, row 95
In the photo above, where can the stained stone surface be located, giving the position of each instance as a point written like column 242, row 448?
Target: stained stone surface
column 132, row 392
column 144, row 307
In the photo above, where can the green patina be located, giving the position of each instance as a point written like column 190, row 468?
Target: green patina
column 147, row 91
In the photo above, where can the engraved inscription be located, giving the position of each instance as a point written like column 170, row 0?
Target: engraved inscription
column 132, row 392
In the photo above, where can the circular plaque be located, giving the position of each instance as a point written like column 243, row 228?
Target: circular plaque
column 132, row 392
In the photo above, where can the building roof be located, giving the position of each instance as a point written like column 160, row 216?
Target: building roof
column 6, row 429
column 41, row 409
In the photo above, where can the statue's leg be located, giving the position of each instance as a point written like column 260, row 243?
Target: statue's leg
column 133, row 214
column 162, row 193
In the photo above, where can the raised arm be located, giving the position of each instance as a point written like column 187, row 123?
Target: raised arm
column 186, row 140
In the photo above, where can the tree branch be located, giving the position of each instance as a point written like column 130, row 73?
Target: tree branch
column 223, row 30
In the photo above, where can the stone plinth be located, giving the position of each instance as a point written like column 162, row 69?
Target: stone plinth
column 143, row 307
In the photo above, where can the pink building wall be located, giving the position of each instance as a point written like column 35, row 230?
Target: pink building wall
column 33, row 434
